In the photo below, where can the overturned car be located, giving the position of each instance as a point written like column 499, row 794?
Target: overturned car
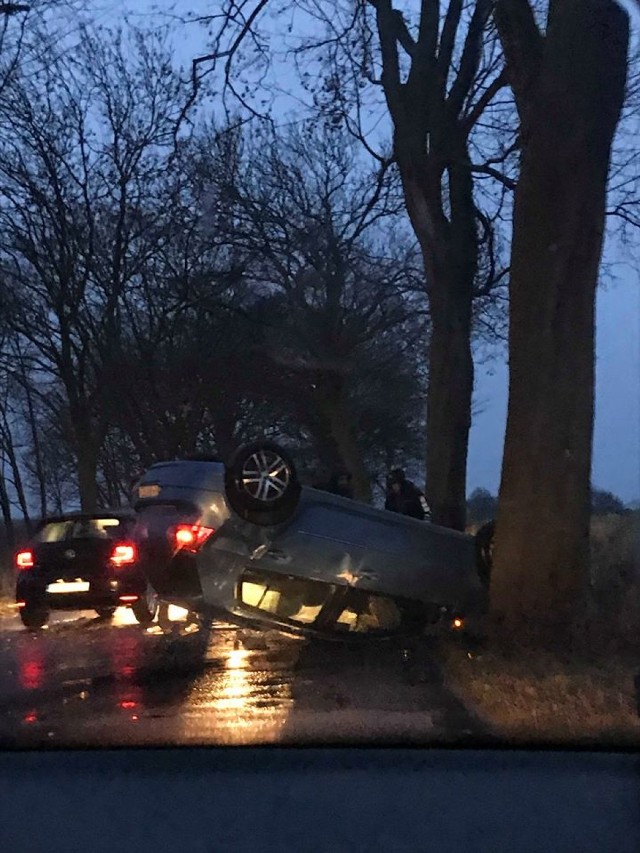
column 247, row 542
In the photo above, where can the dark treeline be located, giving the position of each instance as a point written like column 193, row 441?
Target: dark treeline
column 183, row 268
column 162, row 294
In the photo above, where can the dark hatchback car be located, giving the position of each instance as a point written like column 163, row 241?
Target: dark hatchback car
column 83, row 561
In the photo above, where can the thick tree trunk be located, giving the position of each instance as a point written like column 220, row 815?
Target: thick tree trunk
column 109, row 468
column 449, row 408
column 351, row 456
column 37, row 453
column 10, row 451
column 5, row 508
column 450, row 251
column 87, row 467
column 19, row 487
column 334, row 408
column 541, row 552
column 225, row 424
column 324, row 443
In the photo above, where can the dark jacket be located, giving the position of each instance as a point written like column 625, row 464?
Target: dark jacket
column 408, row 501
column 335, row 487
column 343, row 489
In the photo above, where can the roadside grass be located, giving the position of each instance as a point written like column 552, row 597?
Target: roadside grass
column 537, row 697
column 7, row 589
column 583, row 695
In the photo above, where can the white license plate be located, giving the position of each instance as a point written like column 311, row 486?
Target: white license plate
column 71, row 586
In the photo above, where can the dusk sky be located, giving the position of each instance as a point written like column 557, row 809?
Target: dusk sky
column 616, row 458
column 616, row 463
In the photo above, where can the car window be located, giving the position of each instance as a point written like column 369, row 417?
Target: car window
column 54, row 531
column 371, row 613
column 288, row 598
column 99, row 528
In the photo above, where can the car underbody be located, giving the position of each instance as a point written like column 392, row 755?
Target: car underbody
column 302, row 560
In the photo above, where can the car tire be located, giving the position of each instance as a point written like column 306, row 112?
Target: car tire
column 105, row 612
column 34, row 616
column 484, row 551
column 146, row 607
column 261, row 483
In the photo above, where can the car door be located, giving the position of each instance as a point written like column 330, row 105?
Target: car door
column 347, row 543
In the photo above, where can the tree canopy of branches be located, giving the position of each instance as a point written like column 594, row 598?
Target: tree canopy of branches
column 434, row 106
column 163, row 295
column 83, row 194
column 341, row 312
column 439, row 71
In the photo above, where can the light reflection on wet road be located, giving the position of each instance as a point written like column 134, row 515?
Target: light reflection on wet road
column 83, row 682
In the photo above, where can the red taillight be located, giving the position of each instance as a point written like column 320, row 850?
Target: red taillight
column 24, row 560
column 123, row 554
column 129, row 599
column 190, row 537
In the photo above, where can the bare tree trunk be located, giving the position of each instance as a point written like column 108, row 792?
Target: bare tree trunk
column 19, row 487
column 542, row 541
column 334, row 408
column 87, row 468
column 9, row 449
column 109, row 468
column 5, row 508
column 449, row 408
column 450, row 252
column 430, row 96
column 224, row 430
column 324, row 444
column 351, row 456
column 37, row 453
column 56, row 490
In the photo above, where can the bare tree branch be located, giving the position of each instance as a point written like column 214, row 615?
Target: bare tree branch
column 484, row 100
column 470, row 58
column 13, row 8
column 485, row 169
column 447, row 41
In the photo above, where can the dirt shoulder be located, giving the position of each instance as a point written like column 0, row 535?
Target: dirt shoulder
column 7, row 606
column 537, row 698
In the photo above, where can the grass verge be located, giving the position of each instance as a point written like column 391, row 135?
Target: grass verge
column 533, row 697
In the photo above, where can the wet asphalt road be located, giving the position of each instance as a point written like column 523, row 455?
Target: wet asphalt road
column 84, row 682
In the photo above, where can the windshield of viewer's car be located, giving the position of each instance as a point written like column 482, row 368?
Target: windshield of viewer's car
column 319, row 412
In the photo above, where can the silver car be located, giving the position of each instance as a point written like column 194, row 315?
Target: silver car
column 245, row 540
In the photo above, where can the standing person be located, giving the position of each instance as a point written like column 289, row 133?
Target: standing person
column 340, row 484
column 405, row 497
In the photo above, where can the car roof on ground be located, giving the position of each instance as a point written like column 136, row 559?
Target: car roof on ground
column 194, row 457
column 122, row 512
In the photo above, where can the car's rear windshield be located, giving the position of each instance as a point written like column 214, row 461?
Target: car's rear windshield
column 85, row 528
